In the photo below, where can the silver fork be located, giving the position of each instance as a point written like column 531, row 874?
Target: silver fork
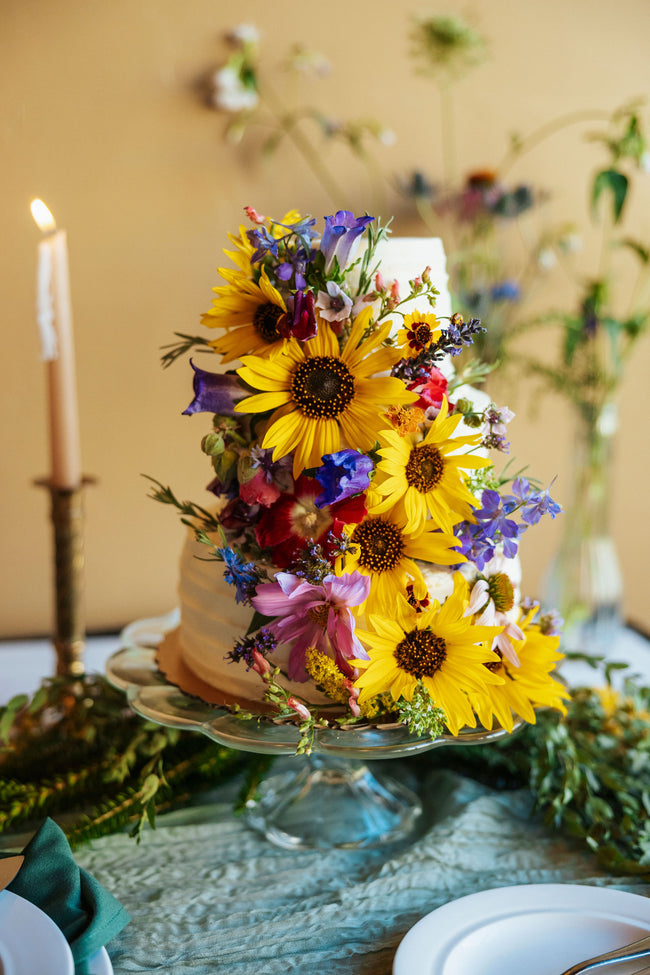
column 638, row 949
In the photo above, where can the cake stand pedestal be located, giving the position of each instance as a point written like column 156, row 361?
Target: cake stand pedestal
column 331, row 799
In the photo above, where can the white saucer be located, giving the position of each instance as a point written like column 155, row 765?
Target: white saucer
column 30, row 941
column 537, row 929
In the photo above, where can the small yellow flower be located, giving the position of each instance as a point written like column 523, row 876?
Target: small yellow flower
column 419, row 332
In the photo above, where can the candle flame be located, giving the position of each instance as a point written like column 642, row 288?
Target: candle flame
column 42, row 216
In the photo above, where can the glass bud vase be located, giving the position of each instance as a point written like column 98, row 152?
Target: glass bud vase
column 584, row 581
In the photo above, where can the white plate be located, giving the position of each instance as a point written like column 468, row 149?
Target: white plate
column 98, row 964
column 535, row 929
column 30, row 941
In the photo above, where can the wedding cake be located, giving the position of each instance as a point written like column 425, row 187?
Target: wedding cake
column 358, row 562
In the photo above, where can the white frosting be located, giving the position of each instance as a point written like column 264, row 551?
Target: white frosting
column 404, row 258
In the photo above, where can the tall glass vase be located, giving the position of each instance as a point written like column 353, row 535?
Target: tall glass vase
column 584, row 581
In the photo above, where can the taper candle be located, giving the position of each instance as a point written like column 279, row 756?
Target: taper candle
column 54, row 315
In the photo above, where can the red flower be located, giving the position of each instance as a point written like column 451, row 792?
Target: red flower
column 259, row 490
column 293, row 520
column 433, row 390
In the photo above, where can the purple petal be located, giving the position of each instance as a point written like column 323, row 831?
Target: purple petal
column 214, row 392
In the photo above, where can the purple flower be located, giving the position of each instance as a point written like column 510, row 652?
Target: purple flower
column 319, row 616
column 342, row 475
column 300, row 321
column 242, row 575
column 262, row 642
column 214, row 392
column 551, row 623
column 294, row 268
column 532, row 504
column 340, row 237
column 265, row 243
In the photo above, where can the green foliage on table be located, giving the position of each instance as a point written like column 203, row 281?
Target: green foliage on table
column 78, row 753
column 589, row 772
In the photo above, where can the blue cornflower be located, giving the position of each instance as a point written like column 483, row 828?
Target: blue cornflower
column 242, row 575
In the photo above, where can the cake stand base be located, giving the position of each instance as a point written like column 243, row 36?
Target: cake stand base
column 332, row 803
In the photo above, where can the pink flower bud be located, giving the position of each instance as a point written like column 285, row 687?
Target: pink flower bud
column 426, row 274
column 260, row 665
column 352, row 700
column 394, row 289
column 300, row 709
column 417, row 282
column 253, row 215
column 379, row 281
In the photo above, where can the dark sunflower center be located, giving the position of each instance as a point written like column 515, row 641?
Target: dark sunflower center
column 265, row 321
column 421, row 653
column 501, row 592
column 422, row 333
column 425, row 468
column 380, row 544
column 495, row 665
column 322, row 387
column 319, row 614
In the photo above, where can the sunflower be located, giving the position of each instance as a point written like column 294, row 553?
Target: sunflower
column 381, row 549
column 425, row 476
column 321, row 395
column 526, row 686
column 418, row 332
column 440, row 647
column 249, row 312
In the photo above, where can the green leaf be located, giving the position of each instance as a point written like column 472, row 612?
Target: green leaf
column 615, row 183
column 641, row 251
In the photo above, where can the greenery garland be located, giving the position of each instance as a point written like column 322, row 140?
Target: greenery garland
column 109, row 770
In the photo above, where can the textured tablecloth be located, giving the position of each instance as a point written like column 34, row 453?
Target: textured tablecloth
column 207, row 895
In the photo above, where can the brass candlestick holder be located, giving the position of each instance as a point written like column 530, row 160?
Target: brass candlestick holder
column 67, row 513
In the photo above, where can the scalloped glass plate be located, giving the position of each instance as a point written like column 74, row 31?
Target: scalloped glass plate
column 331, row 800
column 133, row 669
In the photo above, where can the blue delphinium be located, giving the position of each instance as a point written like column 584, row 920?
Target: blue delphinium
column 342, row 475
column 532, row 504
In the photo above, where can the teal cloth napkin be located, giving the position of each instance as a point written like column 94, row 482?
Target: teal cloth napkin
column 87, row 914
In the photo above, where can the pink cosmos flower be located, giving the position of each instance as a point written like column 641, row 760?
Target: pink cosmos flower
column 308, row 615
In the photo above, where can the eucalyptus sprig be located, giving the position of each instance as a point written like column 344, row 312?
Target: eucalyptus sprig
column 588, row 771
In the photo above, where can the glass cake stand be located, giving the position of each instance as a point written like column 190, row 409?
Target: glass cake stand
column 330, row 799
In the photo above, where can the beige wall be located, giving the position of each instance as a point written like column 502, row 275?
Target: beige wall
column 99, row 116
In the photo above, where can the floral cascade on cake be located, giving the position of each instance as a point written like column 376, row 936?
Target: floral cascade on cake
column 368, row 542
